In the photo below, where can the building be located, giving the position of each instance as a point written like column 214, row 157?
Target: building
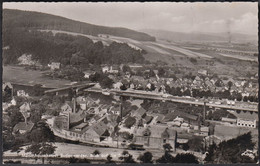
column 203, row 72
column 54, row 65
column 23, row 127
column 110, row 69
column 69, row 107
column 97, row 132
column 22, row 93
column 25, row 107
column 246, row 119
column 229, row 120
column 155, row 136
column 139, row 113
column 62, row 122
column 7, row 90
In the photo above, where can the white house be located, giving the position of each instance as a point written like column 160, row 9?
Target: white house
column 54, row 65
column 246, row 119
column 22, row 93
column 117, row 85
column 109, row 69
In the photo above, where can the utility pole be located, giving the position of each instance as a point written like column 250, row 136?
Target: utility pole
column 121, row 108
column 204, row 112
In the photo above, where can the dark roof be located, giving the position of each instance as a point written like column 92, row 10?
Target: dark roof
column 148, row 119
column 100, row 128
column 23, row 126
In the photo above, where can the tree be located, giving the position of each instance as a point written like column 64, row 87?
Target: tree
column 76, row 160
column 245, row 98
column 185, row 158
column 196, row 144
column 161, row 72
column 230, row 84
column 126, row 157
column 106, row 82
column 167, row 147
column 41, row 148
column 166, row 158
column 126, row 68
column 37, row 90
column 146, row 157
column 96, row 152
column 230, row 151
column 109, row 159
column 193, row 60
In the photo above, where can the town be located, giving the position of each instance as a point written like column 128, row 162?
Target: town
column 116, row 116
column 130, row 82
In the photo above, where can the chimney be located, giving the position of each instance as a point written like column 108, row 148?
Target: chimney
column 204, row 111
column 68, row 121
column 74, row 105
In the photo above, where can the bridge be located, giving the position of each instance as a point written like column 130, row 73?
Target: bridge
column 74, row 87
column 160, row 96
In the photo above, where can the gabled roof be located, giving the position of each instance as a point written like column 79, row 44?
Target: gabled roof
column 100, row 128
column 139, row 112
column 23, row 126
column 7, row 84
column 25, row 107
column 157, row 131
column 246, row 116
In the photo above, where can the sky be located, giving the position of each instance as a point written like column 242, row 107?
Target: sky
column 213, row 17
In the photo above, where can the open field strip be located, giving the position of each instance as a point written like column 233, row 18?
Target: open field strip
column 183, row 51
column 246, row 58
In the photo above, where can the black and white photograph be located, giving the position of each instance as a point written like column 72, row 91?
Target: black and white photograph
column 130, row 82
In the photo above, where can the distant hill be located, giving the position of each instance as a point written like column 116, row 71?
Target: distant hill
column 36, row 20
column 200, row 37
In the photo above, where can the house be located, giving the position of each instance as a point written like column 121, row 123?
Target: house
column 246, row 119
column 117, row 85
column 203, row 72
column 54, row 65
column 229, row 120
column 155, row 136
column 62, row 121
column 67, row 107
column 110, row 69
column 115, row 110
column 97, row 132
column 7, row 85
column 22, row 93
column 139, row 113
column 7, row 89
column 25, row 107
column 23, row 127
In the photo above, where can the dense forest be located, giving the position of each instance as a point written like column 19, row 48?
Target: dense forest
column 67, row 49
column 36, row 20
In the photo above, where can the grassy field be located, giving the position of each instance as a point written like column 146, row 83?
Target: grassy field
column 18, row 75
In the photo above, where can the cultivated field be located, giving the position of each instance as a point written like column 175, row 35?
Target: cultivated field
column 18, row 75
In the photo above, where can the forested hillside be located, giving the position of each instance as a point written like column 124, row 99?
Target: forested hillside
column 69, row 50
column 36, row 20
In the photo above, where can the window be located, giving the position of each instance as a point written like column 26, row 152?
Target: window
column 164, row 140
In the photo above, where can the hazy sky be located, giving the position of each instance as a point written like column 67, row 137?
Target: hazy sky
column 180, row 17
